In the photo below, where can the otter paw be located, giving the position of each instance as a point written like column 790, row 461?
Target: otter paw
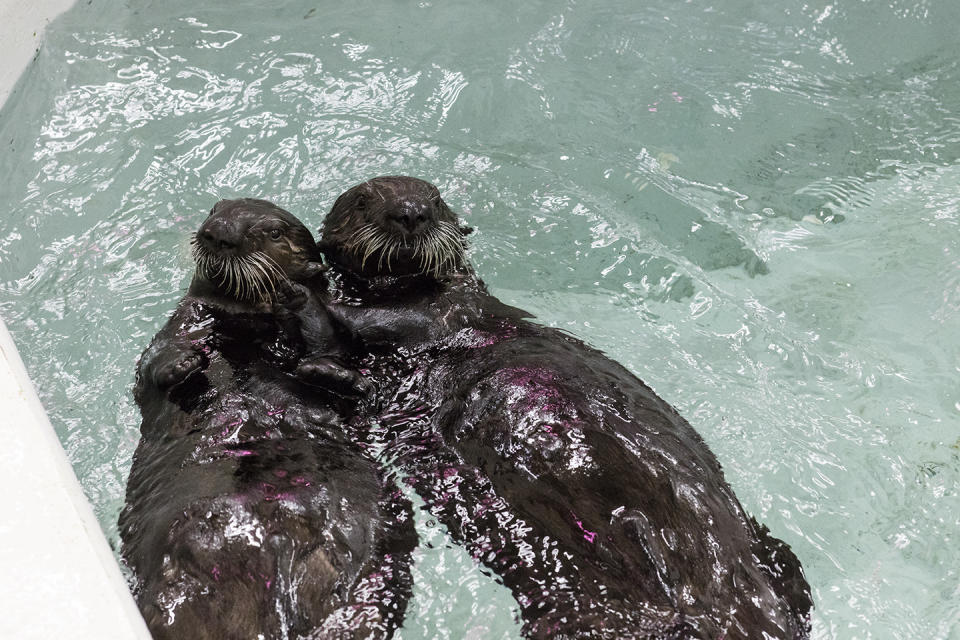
column 327, row 373
column 290, row 295
column 180, row 369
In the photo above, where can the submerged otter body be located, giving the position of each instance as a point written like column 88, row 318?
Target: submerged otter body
column 595, row 502
column 250, row 512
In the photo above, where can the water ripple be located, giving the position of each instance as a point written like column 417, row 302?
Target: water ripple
column 753, row 206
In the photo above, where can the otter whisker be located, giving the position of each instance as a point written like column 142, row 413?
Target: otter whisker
column 360, row 239
column 243, row 284
column 422, row 249
column 260, row 281
column 271, row 264
column 253, row 288
column 430, row 253
column 418, row 252
column 354, row 238
column 370, row 240
column 392, row 244
column 272, row 271
column 240, row 285
column 450, row 235
column 385, row 252
column 264, row 279
column 215, row 261
column 362, row 236
column 433, row 264
column 451, row 238
column 375, row 245
column 351, row 241
column 251, row 277
column 340, row 227
column 427, row 261
column 227, row 278
column 369, row 246
column 439, row 251
column 384, row 237
column 395, row 250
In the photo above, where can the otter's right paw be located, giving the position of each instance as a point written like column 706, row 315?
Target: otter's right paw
column 327, row 373
column 179, row 369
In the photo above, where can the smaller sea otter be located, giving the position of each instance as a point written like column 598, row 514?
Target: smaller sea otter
column 250, row 511
column 595, row 502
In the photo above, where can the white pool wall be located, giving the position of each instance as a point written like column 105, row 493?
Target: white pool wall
column 58, row 576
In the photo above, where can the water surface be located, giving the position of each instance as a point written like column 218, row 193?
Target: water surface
column 754, row 206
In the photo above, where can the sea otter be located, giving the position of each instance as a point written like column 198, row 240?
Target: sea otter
column 250, row 512
column 594, row 501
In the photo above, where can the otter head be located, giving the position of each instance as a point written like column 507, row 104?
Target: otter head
column 394, row 225
column 248, row 248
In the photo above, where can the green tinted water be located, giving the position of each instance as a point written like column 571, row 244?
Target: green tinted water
column 754, row 207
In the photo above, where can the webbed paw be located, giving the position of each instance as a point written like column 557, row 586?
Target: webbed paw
column 325, row 372
column 290, row 295
column 180, row 368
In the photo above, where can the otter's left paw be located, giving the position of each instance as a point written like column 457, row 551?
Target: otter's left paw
column 327, row 373
column 290, row 296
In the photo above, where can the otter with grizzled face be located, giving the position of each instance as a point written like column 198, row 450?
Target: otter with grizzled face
column 594, row 501
column 250, row 511
column 395, row 225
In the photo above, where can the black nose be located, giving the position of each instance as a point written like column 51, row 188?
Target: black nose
column 220, row 234
column 411, row 215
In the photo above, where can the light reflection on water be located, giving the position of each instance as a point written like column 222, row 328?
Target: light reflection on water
column 753, row 207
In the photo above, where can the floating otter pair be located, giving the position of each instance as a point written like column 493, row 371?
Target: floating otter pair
column 596, row 504
column 593, row 500
column 250, row 510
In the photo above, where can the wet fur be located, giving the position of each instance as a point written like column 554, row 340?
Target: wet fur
column 249, row 508
column 594, row 501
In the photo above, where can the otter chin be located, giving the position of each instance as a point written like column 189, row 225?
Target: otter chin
column 250, row 511
column 394, row 226
column 592, row 499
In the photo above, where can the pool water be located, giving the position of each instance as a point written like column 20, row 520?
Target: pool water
column 753, row 206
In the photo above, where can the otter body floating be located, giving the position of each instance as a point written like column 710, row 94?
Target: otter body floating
column 594, row 501
column 250, row 512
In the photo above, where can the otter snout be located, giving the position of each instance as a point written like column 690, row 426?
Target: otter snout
column 221, row 234
column 411, row 216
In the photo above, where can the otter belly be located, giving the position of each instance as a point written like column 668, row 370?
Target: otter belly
column 596, row 503
column 262, row 519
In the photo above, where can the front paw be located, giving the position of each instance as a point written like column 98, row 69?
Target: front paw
column 179, row 369
column 290, row 296
column 327, row 373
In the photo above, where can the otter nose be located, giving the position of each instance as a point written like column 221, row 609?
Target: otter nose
column 219, row 234
column 411, row 215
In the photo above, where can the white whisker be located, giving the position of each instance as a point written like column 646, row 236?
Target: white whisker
column 431, row 253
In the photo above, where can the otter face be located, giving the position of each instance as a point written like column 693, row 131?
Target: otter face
column 248, row 247
column 394, row 225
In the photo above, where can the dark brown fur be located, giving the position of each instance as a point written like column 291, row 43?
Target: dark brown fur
column 250, row 511
column 593, row 499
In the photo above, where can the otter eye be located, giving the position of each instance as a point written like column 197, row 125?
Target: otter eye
column 275, row 234
column 361, row 202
